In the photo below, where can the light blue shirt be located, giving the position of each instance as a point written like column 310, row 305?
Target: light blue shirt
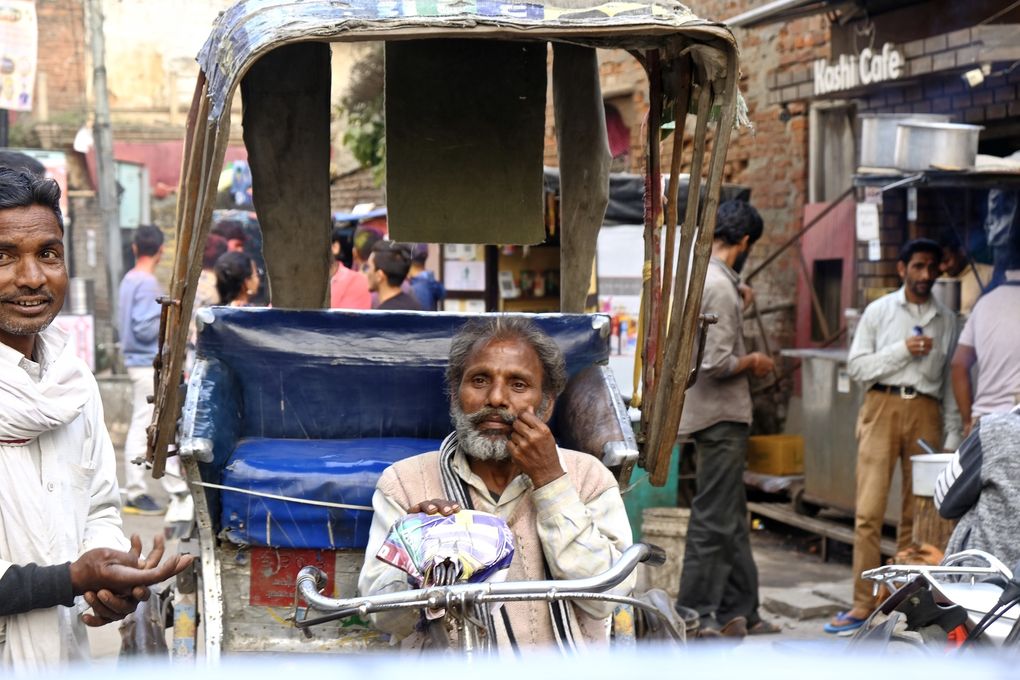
column 139, row 314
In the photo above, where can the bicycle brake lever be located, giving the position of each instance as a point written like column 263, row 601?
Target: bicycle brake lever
column 655, row 557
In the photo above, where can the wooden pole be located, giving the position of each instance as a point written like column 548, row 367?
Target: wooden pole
column 680, row 347
column 652, row 270
column 680, row 106
column 659, row 440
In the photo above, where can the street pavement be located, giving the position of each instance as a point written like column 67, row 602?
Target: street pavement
column 798, row 590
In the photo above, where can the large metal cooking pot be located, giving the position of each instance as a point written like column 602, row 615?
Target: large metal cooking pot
column 947, row 291
column 948, row 146
column 878, row 135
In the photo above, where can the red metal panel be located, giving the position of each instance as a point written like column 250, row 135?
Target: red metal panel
column 163, row 159
column 832, row 238
column 274, row 571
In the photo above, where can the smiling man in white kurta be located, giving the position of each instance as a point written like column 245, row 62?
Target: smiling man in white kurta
column 62, row 549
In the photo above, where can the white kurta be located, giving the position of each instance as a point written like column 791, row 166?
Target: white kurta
column 58, row 490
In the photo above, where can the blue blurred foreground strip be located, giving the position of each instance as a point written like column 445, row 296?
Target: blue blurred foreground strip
column 698, row 662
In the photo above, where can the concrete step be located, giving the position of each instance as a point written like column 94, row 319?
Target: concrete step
column 841, row 593
column 798, row 603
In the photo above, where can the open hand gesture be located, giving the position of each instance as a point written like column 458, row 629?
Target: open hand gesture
column 114, row 582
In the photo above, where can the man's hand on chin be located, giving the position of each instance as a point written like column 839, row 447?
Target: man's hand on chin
column 533, row 448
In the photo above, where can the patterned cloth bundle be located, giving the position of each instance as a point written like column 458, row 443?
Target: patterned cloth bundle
column 467, row 546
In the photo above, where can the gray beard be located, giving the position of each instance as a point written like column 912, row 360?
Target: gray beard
column 472, row 442
column 480, row 446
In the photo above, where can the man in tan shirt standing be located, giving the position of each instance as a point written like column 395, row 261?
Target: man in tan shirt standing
column 901, row 354
column 720, row 579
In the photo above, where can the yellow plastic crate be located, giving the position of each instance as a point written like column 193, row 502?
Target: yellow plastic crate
column 776, row 454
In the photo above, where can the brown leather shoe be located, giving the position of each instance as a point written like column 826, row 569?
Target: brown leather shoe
column 735, row 628
column 709, row 634
column 764, row 627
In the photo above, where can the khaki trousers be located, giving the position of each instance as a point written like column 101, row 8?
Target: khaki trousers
column 888, row 428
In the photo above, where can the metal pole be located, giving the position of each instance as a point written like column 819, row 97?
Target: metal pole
column 103, row 134
column 4, row 128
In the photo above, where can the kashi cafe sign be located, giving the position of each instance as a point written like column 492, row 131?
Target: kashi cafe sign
column 854, row 70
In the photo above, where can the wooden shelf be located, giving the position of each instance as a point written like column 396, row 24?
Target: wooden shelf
column 547, row 303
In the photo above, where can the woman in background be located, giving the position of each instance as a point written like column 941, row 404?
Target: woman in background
column 237, row 279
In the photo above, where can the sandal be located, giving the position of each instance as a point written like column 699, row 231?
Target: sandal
column 843, row 623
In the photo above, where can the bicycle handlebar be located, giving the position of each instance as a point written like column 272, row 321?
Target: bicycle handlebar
column 311, row 579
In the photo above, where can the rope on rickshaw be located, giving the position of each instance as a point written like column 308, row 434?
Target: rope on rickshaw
column 273, row 496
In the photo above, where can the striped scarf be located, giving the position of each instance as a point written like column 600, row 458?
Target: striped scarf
column 564, row 621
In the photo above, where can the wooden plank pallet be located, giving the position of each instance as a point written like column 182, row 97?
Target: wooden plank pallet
column 827, row 529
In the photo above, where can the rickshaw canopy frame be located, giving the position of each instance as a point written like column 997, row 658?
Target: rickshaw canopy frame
column 694, row 67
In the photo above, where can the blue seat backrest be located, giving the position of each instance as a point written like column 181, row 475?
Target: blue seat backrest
column 331, row 374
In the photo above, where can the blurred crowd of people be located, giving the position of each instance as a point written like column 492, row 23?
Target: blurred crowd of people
column 371, row 272
column 367, row 271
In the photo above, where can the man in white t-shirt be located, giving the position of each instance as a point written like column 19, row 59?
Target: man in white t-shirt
column 991, row 340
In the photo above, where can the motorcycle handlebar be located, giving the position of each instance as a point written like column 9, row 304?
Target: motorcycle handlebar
column 311, row 580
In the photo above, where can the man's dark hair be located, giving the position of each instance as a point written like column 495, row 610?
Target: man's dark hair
column 15, row 160
column 215, row 245
column 479, row 332
column 950, row 241
column 364, row 241
column 338, row 235
column 920, row 245
column 232, row 269
column 232, row 230
column 21, row 189
column 343, row 238
column 148, row 239
column 736, row 219
column 393, row 260
column 420, row 253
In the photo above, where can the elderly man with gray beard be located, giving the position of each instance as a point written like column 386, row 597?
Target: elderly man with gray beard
column 564, row 507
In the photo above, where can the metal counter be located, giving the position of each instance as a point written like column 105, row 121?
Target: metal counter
column 830, row 402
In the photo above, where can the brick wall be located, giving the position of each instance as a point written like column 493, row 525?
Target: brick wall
column 772, row 158
column 62, row 58
column 994, row 100
column 941, row 212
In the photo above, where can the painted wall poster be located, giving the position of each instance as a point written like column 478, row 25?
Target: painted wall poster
column 19, row 38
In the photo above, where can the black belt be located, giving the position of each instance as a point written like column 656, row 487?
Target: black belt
column 904, row 391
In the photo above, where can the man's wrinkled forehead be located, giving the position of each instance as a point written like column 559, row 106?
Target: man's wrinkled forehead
column 36, row 216
column 527, row 352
